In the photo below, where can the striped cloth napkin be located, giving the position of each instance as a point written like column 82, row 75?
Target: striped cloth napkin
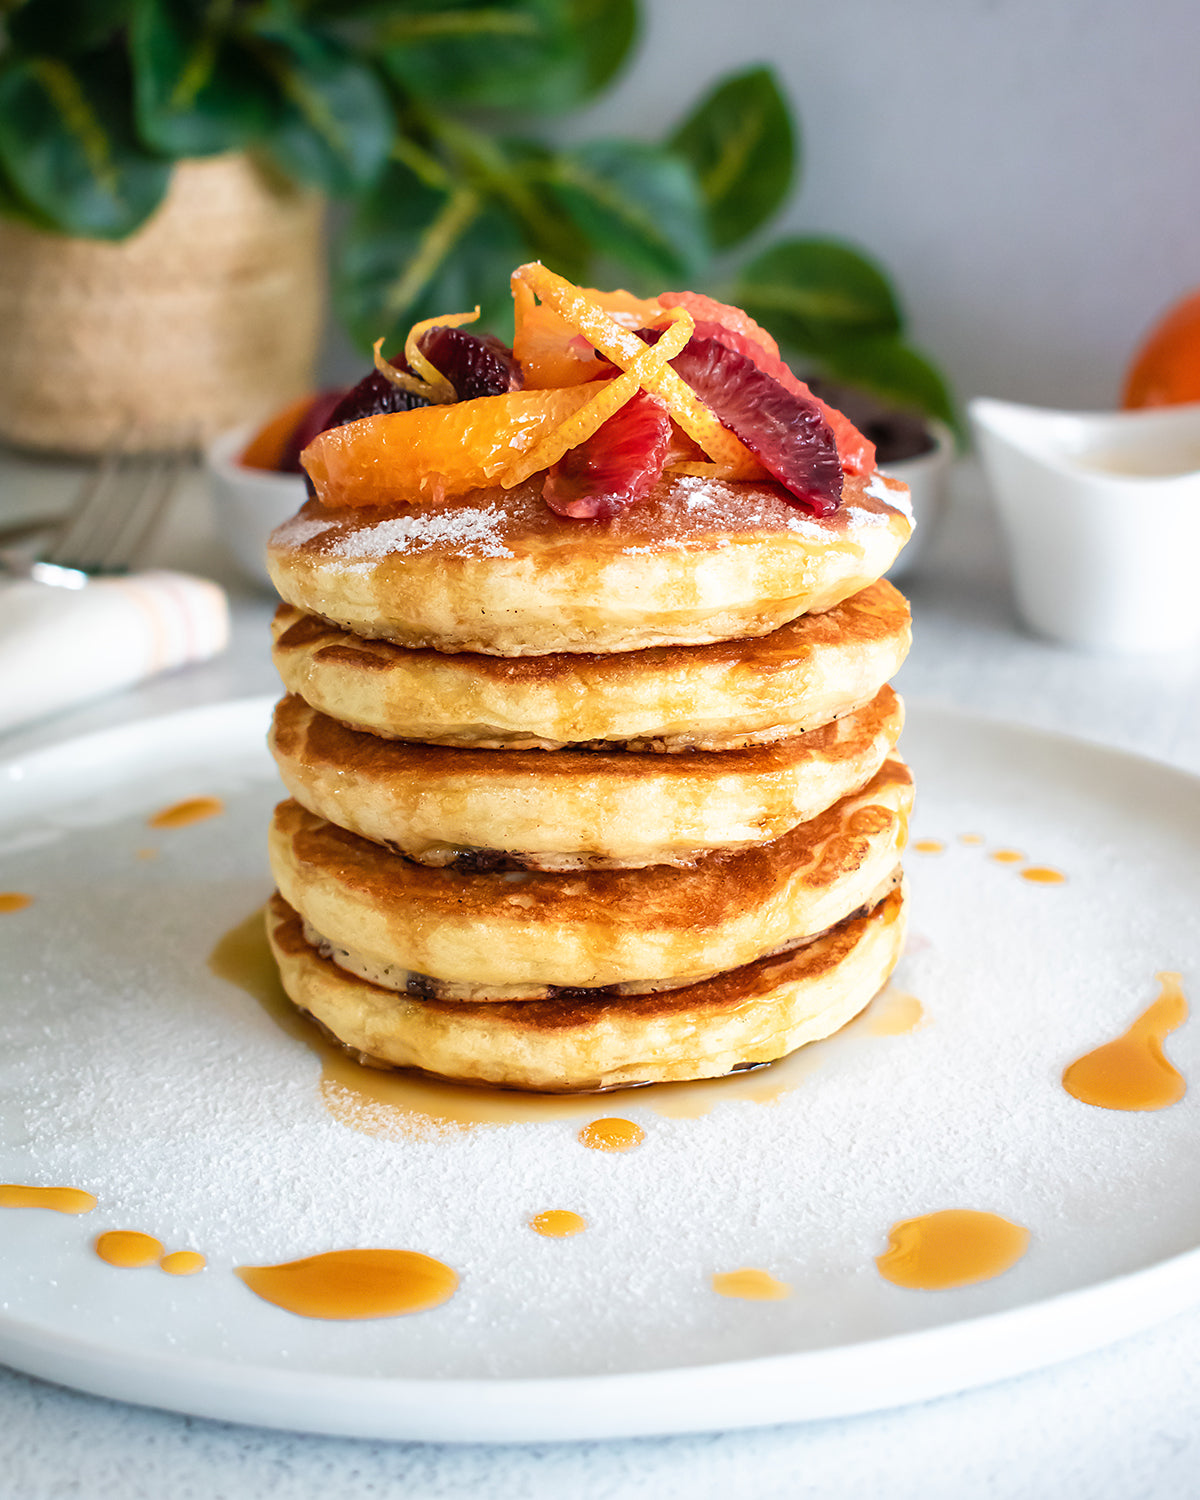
column 60, row 647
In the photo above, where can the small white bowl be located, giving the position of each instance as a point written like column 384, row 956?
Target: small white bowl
column 927, row 476
column 248, row 503
column 1102, row 515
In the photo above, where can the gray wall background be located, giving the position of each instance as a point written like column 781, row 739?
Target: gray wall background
column 1027, row 170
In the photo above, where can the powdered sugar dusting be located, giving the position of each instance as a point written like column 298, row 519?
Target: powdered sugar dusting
column 298, row 530
column 474, row 533
column 895, row 494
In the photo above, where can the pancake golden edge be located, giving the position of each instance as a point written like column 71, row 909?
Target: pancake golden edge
column 570, row 810
column 497, row 572
column 513, row 934
column 714, row 697
column 754, row 1014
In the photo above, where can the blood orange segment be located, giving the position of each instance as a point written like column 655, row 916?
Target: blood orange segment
column 785, row 432
column 423, row 455
column 623, row 348
column 706, row 310
column 615, row 467
column 738, row 331
column 608, row 398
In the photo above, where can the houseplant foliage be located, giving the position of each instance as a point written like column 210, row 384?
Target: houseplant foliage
column 431, row 119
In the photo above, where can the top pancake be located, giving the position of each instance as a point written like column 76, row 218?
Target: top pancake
column 497, row 572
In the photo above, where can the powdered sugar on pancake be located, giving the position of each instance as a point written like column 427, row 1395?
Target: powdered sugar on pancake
column 298, row 530
column 894, row 494
column 472, row 532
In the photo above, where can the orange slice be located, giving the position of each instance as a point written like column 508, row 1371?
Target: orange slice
column 551, row 352
column 623, row 347
column 423, row 455
column 610, row 396
column 1166, row 368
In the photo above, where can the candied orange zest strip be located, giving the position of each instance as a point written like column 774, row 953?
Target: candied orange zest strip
column 612, row 395
column 444, row 392
column 401, row 378
column 705, row 471
column 623, row 348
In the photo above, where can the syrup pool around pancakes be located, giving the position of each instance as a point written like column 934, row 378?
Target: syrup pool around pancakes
column 956, row 1247
column 353, row 1284
column 1131, row 1072
column 388, row 1102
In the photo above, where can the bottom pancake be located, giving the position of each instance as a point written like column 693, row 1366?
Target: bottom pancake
column 755, row 1014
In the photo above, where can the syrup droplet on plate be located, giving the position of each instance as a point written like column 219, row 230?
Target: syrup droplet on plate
column 128, row 1248
column 972, row 839
column 956, row 1247
column 14, row 901
column 180, row 814
column 612, row 1134
column 929, row 846
column 750, row 1285
column 894, row 1014
column 557, row 1223
column 1043, row 875
column 146, row 854
column 1131, row 1072
column 182, row 1263
column 1008, row 856
column 350, row 1284
column 396, row 1104
column 63, row 1200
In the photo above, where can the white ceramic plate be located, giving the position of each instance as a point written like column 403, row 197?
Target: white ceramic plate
column 129, row 1069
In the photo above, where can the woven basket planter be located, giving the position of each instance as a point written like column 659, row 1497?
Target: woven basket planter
column 207, row 317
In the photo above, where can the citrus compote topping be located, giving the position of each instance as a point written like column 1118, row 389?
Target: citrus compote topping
column 682, row 384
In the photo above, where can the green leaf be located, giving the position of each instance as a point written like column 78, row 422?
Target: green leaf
column 811, row 291
column 196, row 91
column 412, row 251
column 740, row 142
column 68, row 146
column 635, row 204
column 64, row 28
column 515, row 54
column 336, row 123
column 606, row 31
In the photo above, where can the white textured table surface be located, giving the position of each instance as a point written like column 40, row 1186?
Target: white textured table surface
column 1118, row 1425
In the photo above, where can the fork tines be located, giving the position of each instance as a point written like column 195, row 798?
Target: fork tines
column 115, row 512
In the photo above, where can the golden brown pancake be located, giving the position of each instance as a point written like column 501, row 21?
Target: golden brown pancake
column 713, row 697
column 509, row 935
column 753, row 1014
column 497, row 572
column 573, row 809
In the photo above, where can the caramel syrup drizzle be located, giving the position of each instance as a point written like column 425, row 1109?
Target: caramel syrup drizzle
column 1131, row 1072
column 557, row 1223
column 14, row 901
column 63, row 1200
column 353, row 1284
column 750, row 1285
column 956, row 1247
column 128, row 1248
column 193, row 810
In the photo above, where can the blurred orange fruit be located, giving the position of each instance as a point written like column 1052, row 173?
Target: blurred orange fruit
column 433, row 451
column 1166, row 369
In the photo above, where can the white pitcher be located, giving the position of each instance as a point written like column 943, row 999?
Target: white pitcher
column 1101, row 511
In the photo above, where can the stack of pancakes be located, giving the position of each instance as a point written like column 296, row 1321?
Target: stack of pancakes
column 585, row 804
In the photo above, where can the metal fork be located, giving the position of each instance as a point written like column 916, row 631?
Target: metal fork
column 109, row 524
